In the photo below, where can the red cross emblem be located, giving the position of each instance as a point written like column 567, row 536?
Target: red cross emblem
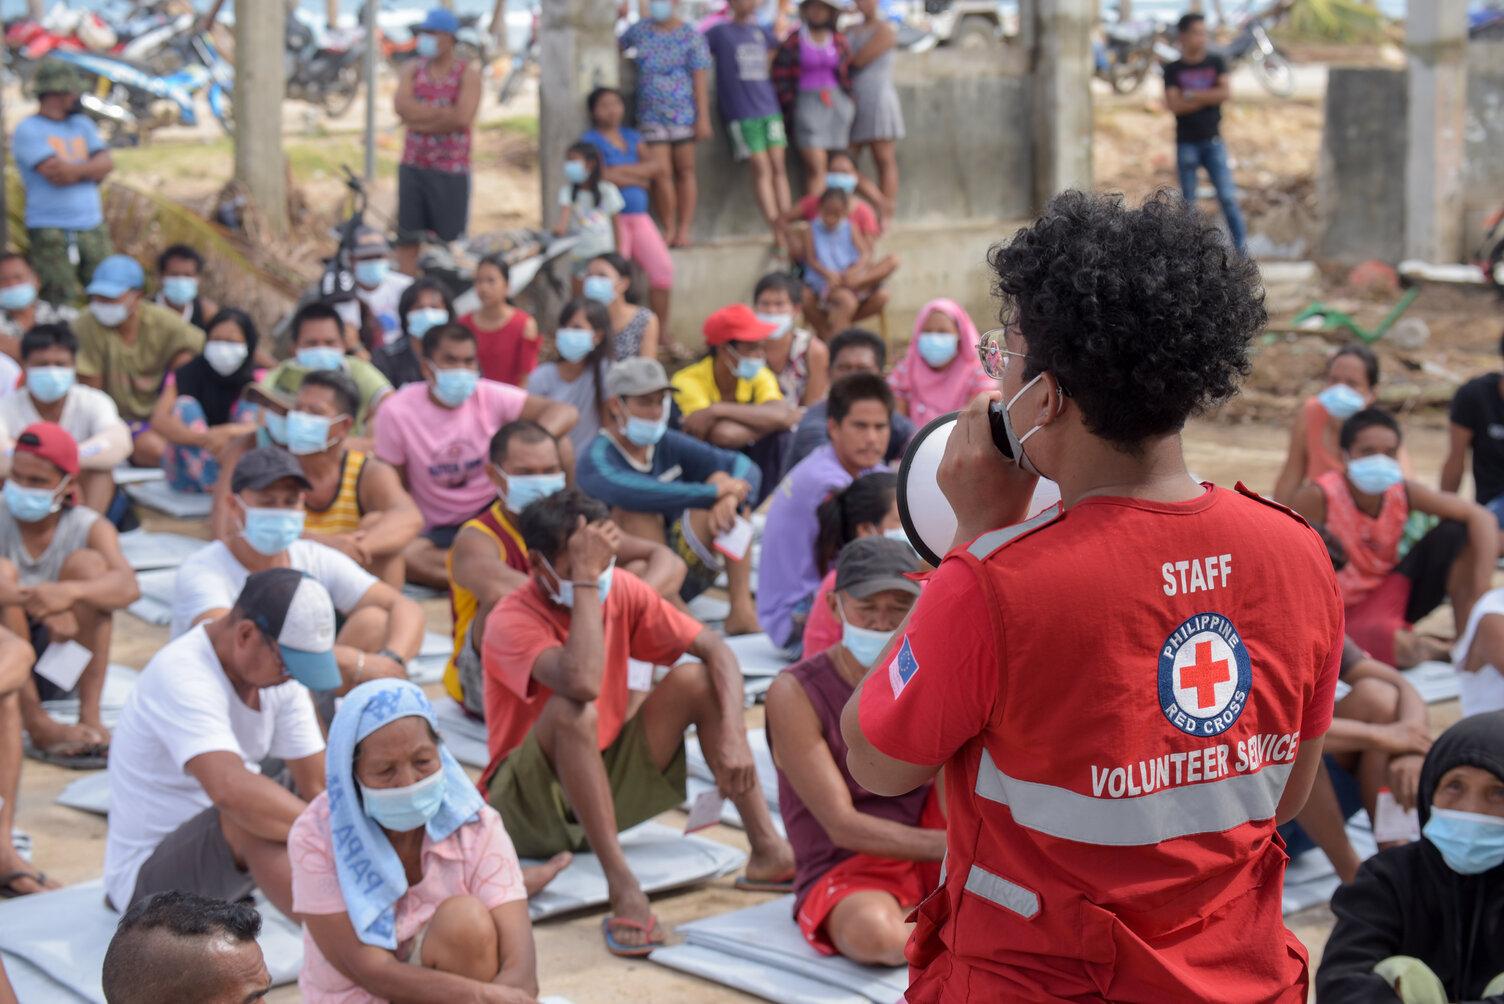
column 1204, row 674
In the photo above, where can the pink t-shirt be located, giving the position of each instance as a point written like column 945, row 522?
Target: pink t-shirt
column 476, row 860
column 822, row 630
column 445, row 449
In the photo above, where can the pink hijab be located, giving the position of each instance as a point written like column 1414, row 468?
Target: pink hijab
column 931, row 393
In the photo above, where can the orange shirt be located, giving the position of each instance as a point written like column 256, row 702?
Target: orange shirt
column 639, row 624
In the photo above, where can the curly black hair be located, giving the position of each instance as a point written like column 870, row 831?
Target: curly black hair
column 1144, row 315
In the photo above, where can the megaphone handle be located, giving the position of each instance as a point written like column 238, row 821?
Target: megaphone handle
column 996, row 418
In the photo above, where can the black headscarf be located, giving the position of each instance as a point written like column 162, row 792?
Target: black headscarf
column 1476, row 741
column 218, row 394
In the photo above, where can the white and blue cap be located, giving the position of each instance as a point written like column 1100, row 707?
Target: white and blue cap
column 115, row 276
column 294, row 611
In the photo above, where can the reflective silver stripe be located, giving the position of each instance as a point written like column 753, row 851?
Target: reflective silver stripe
column 1209, row 807
column 1008, row 895
column 943, row 862
column 991, row 541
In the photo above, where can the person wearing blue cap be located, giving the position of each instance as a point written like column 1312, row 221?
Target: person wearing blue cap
column 127, row 346
column 62, row 160
column 437, row 98
column 190, row 808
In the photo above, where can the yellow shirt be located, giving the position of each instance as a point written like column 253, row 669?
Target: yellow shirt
column 695, row 387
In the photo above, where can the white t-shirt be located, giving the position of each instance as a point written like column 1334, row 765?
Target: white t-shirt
column 87, row 413
column 10, row 376
column 383, row 299
column 212, row 579
column 1484, row 690
column 181, row 707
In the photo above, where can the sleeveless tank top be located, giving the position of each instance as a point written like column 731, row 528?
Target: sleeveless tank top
column 1372, row 542
column 70, row 534
column 1321, row 440
column 814, row 852
column 343, row 514
column 448, row 151
column 626, row 342
column 462, row 602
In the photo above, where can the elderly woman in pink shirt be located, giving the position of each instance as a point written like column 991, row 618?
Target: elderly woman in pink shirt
column 405, row 880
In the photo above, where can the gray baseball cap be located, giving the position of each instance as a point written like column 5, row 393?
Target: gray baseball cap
column 871, row 565
column 634, row 376
column 296, row 612
column 264, row 466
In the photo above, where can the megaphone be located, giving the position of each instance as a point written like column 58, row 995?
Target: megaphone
column 928, row 520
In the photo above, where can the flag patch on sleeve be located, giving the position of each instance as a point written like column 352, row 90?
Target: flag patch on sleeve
column 903, row 667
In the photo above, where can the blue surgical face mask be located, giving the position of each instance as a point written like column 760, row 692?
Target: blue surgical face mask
column 422, row 320
column 660, row 10
column 454, row 386
column 565, row 596
column 276, row 427
column 841, row 181
column 307, row 433
column 428, row 46
column 783, row 321
column 747, row 367
column 110, row 315
column 31, row 505
column 576, row 172
column 407, row 808
column 321, row 358
column 1341, row 401
column 1375, row 474
column 272, row 531
column 646, row 431
column 897, row 533
column 180, row 290
column 574, row 344
column 49, row 383
column 525, row 489
column 18, row 297
column 600, row 288
column 937, row 348
column 370, row 272
column 1470, row 843
column 864, row 644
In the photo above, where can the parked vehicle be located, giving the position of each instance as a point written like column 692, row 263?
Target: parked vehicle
column 1490, row 254
column 1486, row 20
column 524, row 60
column 324, row 67
column 966, row 24
column 1126, row 54
column 1253, row 44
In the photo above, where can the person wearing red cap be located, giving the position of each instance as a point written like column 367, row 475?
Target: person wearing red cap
column 62, row 577
column 731, row 399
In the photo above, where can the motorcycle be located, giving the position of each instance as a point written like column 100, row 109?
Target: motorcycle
column 324, row 67
column 523, row 59
column 1127, row 54
column 1252, row 43
column 128, row 102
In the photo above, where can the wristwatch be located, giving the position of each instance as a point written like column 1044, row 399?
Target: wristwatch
column 387, row 653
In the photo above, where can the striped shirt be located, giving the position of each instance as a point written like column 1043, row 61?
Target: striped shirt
column 344, row 513
column 462, row 602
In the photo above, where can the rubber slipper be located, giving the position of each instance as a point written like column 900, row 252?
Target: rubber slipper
column 83, row 756
column 763, row 885
column 625, row 951
column 8, row 880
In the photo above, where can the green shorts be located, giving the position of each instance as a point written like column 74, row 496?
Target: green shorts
column 536, row 812
column 64, row 260
column 749, row 136
column 704, row 566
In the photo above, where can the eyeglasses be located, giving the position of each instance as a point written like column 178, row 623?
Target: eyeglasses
column 994, row 353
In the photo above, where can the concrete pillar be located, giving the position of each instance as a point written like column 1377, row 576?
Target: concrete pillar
column 577, row 39
column 1436, row 42
column 259, row 88
column 1061, row 70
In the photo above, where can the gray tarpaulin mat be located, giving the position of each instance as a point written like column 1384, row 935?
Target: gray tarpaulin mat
column 89, row 793
column 760, row 950
column 156, row 495
column 128, row 475
column 1309, row 878
column 413, row 591
column 701, row 780
column 428, row 666
column 661, row 857
column 64, row 934
column 709, row 609
column 118, row 681
column 148, row 549
column 155, row 604
column 465, row 737
column 1436, row 681
column 757, row 655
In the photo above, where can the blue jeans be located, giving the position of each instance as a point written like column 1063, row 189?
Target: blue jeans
column 1497, row 508
column 1212, row 155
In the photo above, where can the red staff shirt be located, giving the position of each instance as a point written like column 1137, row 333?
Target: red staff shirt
column 1117, row 693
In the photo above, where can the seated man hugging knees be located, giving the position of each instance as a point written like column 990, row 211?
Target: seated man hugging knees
column 62, row 577
column 580, row 748
column 489, row 557
column 666, row 486
column 190, row 808
column 405, row 880
column 864, row 860
column 382, row 629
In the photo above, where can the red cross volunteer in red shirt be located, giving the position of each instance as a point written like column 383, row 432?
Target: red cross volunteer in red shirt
column 1129, row 691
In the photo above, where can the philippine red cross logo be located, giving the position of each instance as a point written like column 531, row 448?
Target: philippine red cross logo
column 1204, row 675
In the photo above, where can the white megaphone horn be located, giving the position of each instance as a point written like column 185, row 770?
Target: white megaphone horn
column 928, row 519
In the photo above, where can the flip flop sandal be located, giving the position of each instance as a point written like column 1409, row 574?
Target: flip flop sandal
column 624, row 951
column 745, row 884
column 20, row 842
column 8, row 880
column 84, row 756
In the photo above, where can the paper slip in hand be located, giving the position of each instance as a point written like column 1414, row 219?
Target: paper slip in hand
column 1391, row 823
column 64, row 663
column 639, row 676
column 735, row 541
column 704, row 811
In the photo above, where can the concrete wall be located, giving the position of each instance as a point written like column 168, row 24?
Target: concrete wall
column 1362, row 175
